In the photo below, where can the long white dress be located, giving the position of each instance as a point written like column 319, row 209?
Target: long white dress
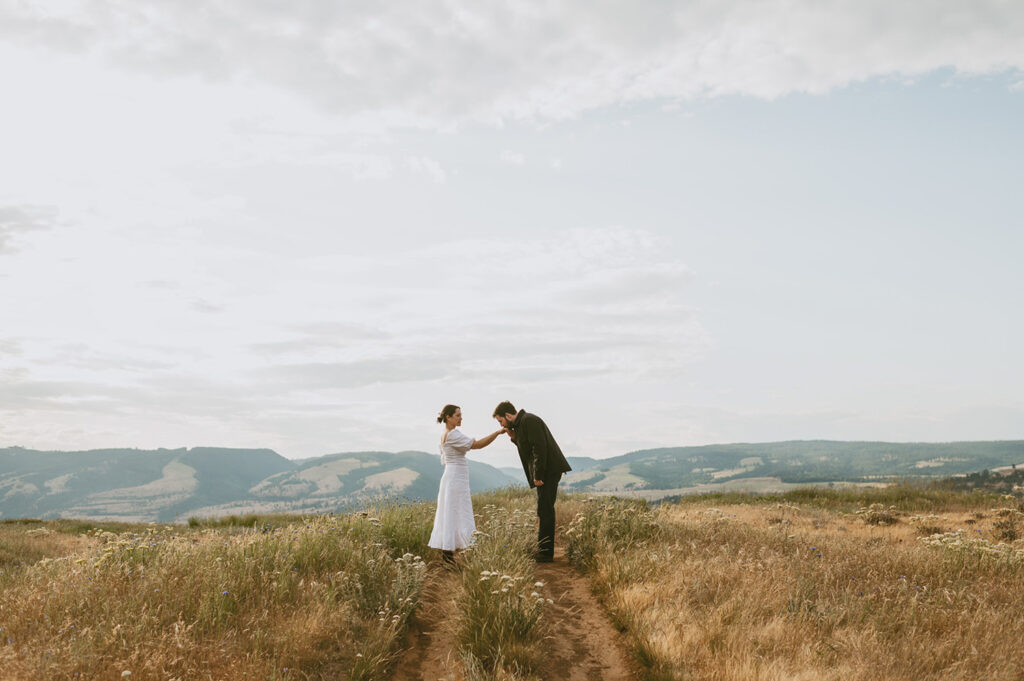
column 453, row 523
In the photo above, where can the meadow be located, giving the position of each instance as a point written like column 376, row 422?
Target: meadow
column 894, row 583
column 259, row 597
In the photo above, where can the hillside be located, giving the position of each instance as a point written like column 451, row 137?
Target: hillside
column 172, row 484
column 784, row 464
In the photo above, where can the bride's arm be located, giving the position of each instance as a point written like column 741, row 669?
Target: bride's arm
column 484, row 441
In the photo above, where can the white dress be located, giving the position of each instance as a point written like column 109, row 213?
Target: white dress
column 453, row 523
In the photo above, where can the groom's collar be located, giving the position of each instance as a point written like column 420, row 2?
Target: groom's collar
column 518, row 418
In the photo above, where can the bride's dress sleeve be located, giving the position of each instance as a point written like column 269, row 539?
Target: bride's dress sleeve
column 459, row 442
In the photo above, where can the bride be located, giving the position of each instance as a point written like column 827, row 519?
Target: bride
column 453, row 522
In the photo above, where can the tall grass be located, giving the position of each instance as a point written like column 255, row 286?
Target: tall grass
column 24, row 543
column 903, row 496
column 315, row 598
column 801, row 591
column 500, row 627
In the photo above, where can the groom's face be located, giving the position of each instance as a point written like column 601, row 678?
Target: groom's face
column 505, row 420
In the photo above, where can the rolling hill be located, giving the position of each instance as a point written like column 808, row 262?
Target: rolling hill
column 172, row 484
column 779, row 465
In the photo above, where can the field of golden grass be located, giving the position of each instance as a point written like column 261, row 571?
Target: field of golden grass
column 894, row 583
column 859, row 585
column 300, row 598
column 270, row 597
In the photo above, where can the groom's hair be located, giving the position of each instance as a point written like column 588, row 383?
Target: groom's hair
column 504, row 408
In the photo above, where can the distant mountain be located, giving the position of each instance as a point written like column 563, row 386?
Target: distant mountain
column 582, row 463
column 578, row 463
column 789, row 463
column 173, row 484
column 515, row 474
column 328, row 482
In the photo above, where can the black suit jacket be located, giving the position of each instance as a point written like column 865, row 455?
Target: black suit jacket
column 542, row 458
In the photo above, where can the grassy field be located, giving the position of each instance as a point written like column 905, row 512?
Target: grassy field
column 276, row 598
column 259, row 597
column 895, row 583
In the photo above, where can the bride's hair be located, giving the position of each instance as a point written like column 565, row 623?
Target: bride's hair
column 449, row 410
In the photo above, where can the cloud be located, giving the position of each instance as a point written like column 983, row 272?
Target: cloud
column 512, row 158
column 579, row 303
column 23, row 394
column 441, row 62
column 428, row 167
column 552, row 316
column 9, row 347
column 84, row 356
column 317, row 337
column 20, row 219
column 358, row 373
column 701, row 424
column 205, row 306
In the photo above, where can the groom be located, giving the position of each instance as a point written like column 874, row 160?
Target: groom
column 543, row 464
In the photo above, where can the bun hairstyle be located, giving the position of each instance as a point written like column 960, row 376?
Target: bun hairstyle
column 449, row 410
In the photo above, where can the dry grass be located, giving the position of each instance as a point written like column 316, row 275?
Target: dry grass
column 25, row 542
column 810, row 590
column 261, row 597
column 325, row 597
column 500, row 626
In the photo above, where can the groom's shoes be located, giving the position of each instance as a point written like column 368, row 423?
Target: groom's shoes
column 544, row 558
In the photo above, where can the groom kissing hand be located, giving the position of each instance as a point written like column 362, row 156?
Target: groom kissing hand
column 543, row 464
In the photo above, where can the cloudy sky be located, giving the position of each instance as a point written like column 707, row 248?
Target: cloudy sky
column 309, row 225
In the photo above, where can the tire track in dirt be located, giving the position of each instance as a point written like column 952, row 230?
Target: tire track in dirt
column 581, row 645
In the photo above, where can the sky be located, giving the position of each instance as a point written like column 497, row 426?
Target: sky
column 310, row 225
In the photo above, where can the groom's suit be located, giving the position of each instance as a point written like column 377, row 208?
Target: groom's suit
column 542, row 460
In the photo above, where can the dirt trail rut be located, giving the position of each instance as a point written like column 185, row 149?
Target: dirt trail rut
column 582, row 644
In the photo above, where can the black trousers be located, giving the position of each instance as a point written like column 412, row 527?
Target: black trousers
column 546, row 494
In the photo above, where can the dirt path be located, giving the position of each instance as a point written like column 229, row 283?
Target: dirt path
column 582, row 645
column 430, row 653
